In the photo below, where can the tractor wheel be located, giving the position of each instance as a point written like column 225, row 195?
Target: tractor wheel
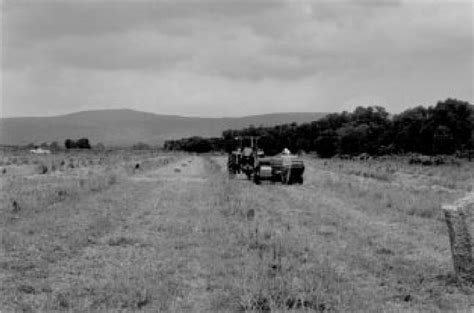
column 256, row 179
column 300, row 180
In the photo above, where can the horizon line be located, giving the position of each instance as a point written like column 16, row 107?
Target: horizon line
column 159, row 114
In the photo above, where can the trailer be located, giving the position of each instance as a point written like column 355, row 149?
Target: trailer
column 251, row 161
column 287, row 169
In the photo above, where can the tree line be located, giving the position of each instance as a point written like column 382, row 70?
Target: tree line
column 195, row 144
column 444, row 128
column 82, row 143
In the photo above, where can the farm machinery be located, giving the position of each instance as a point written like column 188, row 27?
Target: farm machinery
column 233, row 162
column 284, row 168
column 251, row 161
column 242, row 160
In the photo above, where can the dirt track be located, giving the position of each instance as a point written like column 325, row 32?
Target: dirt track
column 181, row 238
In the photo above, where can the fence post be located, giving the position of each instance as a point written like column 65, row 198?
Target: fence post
column 461, row 242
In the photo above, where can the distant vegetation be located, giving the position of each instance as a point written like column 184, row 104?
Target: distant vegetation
column 441, row 129
column 82, row 143
column 195, row 144
column 125, row 128
column 52, row 146
column 141, row 146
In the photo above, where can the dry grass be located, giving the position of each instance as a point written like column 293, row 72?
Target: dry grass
column 355, row 237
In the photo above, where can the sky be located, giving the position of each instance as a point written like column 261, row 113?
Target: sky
column 233, row 57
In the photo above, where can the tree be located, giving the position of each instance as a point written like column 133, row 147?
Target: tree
column 457, row 116
column 326, row 144
column 407, row 127
column 70, row 144
column 444, row 128
column 83, row 143
column 443, row 141
column 141, row 146
column 54, row 146
column 349, row 140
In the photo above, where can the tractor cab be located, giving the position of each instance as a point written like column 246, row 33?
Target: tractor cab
column 242, row 160
column 248, row 161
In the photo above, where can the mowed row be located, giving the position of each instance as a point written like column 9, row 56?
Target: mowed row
column 382, row 242
column 186, row 238
column 108, row 250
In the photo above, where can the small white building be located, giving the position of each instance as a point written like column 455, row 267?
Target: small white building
column 40, row 151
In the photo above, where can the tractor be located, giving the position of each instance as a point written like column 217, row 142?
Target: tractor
column 248, row 162
column 234, row 161
column 242, row 160
column 251, row 161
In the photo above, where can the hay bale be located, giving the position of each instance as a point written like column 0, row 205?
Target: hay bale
column 121, row 241
column 62, row 194
column 250, row 214
column 460, row 239
column 43, row 169
column 177, row 170
column 112, row 179
column 16, row 207
column 27, row 289
column 4, row 171
column 72, row 163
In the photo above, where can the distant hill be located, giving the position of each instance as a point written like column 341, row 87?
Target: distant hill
column 127, row 127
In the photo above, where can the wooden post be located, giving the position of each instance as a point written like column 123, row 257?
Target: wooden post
column 461, row 241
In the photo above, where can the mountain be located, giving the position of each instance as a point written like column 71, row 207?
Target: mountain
column 127, row 127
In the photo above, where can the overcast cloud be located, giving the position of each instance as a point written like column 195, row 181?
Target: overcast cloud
column 232, row 58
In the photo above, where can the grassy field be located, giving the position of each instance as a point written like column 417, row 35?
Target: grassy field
column 175, row 234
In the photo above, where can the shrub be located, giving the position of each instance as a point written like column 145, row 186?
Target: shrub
column 43, row 169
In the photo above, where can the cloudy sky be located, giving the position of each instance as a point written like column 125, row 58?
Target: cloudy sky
column 233, row 57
